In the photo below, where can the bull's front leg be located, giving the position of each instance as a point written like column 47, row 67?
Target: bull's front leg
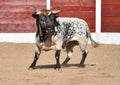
column 36, row 56
column 59, row 43
column 57, row 57
column 32, row 66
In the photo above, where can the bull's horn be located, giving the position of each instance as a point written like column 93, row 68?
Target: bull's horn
column 56, row 11
column 36, row 12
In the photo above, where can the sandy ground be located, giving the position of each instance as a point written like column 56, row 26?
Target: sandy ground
column 102, row 66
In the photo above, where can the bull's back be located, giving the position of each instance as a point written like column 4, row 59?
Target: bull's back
column 73, row 23
column 73, row 28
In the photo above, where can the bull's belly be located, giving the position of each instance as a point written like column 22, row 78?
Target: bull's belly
column 48, row 48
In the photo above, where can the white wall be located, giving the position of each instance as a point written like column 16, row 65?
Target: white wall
column 103, row 38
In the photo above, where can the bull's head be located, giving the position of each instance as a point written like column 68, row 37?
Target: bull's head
column 45, row 20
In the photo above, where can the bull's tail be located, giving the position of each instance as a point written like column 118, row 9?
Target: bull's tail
column 94, row 44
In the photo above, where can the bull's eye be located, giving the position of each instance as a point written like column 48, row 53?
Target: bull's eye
column 41, row 20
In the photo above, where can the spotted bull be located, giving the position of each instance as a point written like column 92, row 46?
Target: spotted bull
column 56, row 33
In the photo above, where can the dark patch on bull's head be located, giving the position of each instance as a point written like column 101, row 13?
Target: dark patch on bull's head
column 45, row 20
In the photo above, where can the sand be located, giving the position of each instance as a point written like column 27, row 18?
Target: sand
column 102, row 66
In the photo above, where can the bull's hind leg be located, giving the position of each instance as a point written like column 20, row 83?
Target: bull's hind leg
column 36, row 57
column 83, row 44
column 84, row 55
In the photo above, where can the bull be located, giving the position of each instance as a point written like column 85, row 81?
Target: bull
column 54, row 32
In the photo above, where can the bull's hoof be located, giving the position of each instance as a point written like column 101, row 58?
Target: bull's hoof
column 64, row 64
column 31, row 67
column 82, row 65
column 58, row 67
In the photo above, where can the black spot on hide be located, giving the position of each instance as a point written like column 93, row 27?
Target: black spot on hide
column 86, row 34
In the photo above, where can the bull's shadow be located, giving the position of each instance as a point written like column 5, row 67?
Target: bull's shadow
column 67, row 65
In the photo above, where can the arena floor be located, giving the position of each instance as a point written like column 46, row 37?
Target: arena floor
column 102, row 66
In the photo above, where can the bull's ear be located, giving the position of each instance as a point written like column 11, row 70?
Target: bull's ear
column 56, row 11
column 36, row 13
